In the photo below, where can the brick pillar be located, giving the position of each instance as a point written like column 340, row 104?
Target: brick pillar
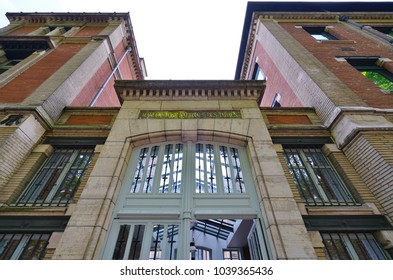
column 17, row 140
column 371, row 155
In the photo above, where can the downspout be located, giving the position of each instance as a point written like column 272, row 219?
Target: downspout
column 368, row 29
column 109, row 77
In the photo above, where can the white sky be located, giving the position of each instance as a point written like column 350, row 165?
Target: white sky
column 179, row 39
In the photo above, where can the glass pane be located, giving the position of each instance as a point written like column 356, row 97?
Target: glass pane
column 58, row 178
column 210, row 167
column 136, row 244
column 23, row 246
column 121, row 242
column 227, row 255
column 225, row 169
column 70, row 183
column 320, row 37
column 156, row 242
column 172, row 242
column 379, row 80
column 8, row 243
column 254, row 245
column 315, row 178
column 199, row 169
column 177, row 168
column 166, row 169
column 301, row 176
column 35, row 248
column 239, row 181
column 201, row 253
column 40, row 187
column 260, row 75
column 371, row 247
column 335, row 247
column 151, row 168
column 346, row 246
column 136, row 183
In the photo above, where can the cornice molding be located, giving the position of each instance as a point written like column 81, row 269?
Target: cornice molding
column 64, row 18
column 303, row 17
column 190, row 90
column 328, row 16
column 81, row 19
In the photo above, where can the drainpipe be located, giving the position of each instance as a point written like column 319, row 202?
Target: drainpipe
column 109, row 77
column 368, row 29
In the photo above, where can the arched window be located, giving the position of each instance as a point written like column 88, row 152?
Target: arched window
column 217, row 169
column 178, row 197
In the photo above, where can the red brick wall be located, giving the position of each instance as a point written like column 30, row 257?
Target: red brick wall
column 93, row 85
column 108, row 97
column 89, row 119
column 24, row 30
column 275, row 82
column 27, row 82
column 288, row 119
column 362, row 45
column 90, row 31
column 125, row 67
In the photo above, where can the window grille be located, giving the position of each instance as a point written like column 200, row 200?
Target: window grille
column 316, row 179
column 162, row 169
column 163, row 241
column 23, row 246
column 58, row 178
column 353, row 246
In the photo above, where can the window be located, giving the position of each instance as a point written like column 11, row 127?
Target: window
column 369, row 68
column 353, row 246
column 209, row 181
column 7, row 64
column 58, row 178
column 258, row 73
column 276, row 101
column 232, row 254
column 201, row 253
column 13, row 51
column 23, row 246
column 161, row 240
column 315, row 178
column 388, row 30
column 160, row 169
column 319, row 33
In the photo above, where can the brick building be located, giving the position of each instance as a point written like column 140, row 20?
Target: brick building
column 291, row 160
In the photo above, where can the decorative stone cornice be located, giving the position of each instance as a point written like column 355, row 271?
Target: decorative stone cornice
column 190, row 90
column 303, row 17
column 328, row 16
column 81, row 19
column 64, row 18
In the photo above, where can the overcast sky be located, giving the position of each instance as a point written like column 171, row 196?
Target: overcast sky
column 179, row 39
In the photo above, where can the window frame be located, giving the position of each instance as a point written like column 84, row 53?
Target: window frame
column 258, row 73
column 30, row 225
column 351, row 244
column 276, row 101
column 370, row 64
column 50, row 179
column 24, row 245
column 387, row 30
column 314, row 176
column 322, row 31
column 230, row 252
column 216, row 168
